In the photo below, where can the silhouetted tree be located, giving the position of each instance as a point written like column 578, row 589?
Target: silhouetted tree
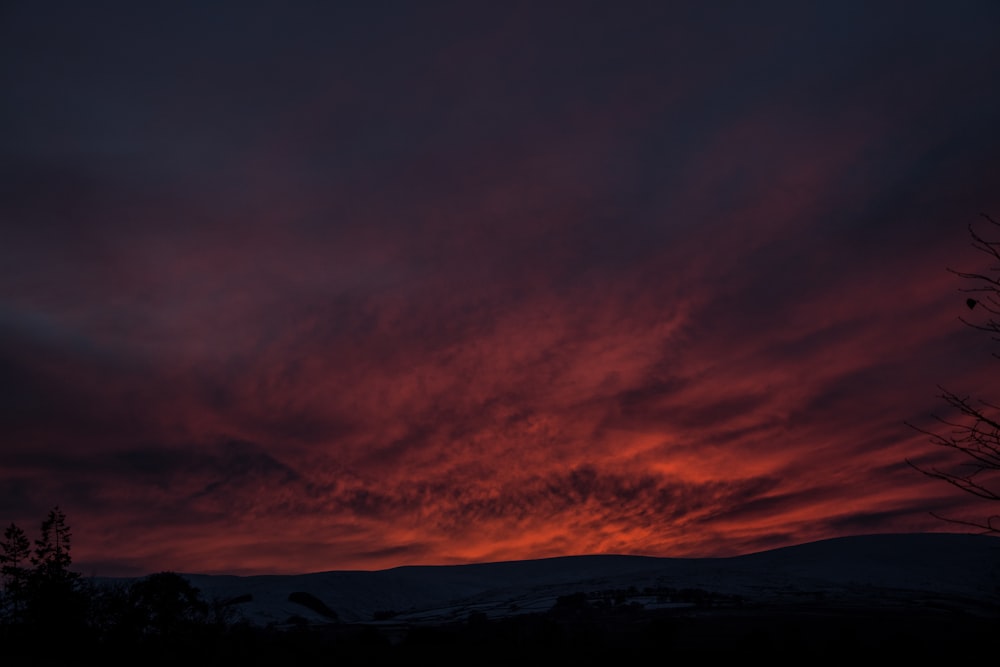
column 974, row 432
column 56, row 604
column 15, row 551
column 52, row 558
column 166, row 605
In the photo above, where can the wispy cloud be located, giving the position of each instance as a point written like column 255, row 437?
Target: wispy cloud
column 460, row 284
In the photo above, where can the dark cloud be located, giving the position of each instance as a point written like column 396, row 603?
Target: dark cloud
column 290, row 288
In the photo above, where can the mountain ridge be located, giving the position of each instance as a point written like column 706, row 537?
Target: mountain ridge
column 902, row 570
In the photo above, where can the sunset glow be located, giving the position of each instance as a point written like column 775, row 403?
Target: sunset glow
column 288, row 290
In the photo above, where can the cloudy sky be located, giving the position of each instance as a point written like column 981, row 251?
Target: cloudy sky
column 306, row 286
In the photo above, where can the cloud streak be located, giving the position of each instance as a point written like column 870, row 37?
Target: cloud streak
column 455, row 284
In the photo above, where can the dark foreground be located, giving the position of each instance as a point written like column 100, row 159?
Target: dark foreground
column 582, row 636
column 786, row 636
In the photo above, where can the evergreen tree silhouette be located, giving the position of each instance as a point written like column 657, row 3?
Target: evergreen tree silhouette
column 15, row 552
column 56, row 603
column 52, row 558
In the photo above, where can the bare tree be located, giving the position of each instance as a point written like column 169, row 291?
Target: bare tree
column 974, row 432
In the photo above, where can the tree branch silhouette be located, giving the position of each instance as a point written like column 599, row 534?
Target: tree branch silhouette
column 974, row 434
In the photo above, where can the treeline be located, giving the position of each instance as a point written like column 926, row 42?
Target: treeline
column 52, row 613
column 39, row 588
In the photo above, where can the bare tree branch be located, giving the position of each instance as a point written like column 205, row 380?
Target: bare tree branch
column 974, row 434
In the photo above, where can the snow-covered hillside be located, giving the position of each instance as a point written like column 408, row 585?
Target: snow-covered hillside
column 904, row 570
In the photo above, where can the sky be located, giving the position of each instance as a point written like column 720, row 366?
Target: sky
column 295, row 287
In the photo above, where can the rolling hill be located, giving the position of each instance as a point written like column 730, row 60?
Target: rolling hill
column 902, row 572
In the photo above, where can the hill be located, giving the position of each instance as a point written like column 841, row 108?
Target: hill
column 900, row 571
column 903, row 596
